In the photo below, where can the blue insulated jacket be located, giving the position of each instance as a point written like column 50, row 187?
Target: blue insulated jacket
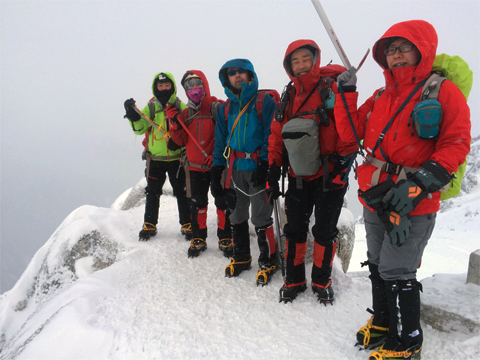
column 251, row 133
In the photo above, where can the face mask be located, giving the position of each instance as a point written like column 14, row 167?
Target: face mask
column 164, row 95
column 196, row 94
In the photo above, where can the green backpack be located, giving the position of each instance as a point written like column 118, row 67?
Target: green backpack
column 455, row 69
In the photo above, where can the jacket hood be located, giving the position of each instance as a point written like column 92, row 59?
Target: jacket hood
column 249, row 90
column 202, row 77
column 309, row 45
column 170, row 76
column 421, row 33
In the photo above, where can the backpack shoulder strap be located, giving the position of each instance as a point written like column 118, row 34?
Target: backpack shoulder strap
column 431, row 88
column 259, row 104
column 379, row 93
column 178, row 104
column 214, row 109
column 227, row 108
column 151, row 108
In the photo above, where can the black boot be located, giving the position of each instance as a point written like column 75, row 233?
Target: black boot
column 409, row 344
column 241, row 260
column 409, row 304
column 375, row 332
column 267, row 261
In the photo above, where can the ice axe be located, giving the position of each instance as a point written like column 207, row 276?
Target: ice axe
column 145, row 117
column 279, row 237
column 334, row 38
column 192, row 137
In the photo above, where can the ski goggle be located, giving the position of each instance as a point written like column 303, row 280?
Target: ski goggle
column 233, row 72
column 402, row 48
column 190, row 83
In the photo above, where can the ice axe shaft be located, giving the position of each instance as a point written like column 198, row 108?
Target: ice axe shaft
column 192, row 137
column 279, row 237
column 331, row 33
column 145, row 117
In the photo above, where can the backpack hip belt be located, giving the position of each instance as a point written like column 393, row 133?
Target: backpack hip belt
column 234, row 154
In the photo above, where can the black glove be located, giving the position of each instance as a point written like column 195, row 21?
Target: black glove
column 273, row 190
column 259, row 176
column 398, row 227
column 216, row 187
column 407, row 194
column 172, row 114
column 337, row 178
column 130, row 112
column 231, row 198
column 172, row 145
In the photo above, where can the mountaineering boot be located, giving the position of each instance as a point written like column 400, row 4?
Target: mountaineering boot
column 371, row 336
column 241, row 259
column 267, row 261
column 226, row 246
column 400, row 352
column 265, row 273
column 235, row 268
column 186, row 231
column 325, row 294
column 375, row 332
column 289, row 292
column 197, row 246
column 149, row 230
column 409, row 344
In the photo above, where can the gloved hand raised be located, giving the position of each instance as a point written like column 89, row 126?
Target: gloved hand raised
column 273, row 190
column 348, row 78
column 216, row 187
column 172, row 113
column 130, row 112
column 407, row 194
column 259, row 176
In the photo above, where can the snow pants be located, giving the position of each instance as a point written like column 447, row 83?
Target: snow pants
column 155, row 181
column 299, row 205
column 199, row 185
column 252, row 199
column 397, row 262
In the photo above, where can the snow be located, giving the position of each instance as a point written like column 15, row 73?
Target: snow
column 93, row 291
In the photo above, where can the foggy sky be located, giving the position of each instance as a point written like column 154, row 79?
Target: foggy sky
column 68, row 66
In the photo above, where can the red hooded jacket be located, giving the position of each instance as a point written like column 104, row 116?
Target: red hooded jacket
column 330, row 142
column 201, row 126
column 400, row 145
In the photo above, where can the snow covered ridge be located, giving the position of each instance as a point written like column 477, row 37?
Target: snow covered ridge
column 94, row 291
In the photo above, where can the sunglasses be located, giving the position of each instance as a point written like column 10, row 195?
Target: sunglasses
column 190, row 83
column 402, row 48
column 233, row 72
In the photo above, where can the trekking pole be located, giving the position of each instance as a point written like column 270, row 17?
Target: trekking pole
column 279, row 237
